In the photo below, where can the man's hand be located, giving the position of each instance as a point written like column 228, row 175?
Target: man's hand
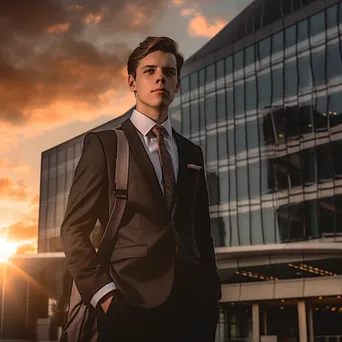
column 106, row 303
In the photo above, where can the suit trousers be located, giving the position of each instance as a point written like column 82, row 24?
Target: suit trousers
column 177, row 320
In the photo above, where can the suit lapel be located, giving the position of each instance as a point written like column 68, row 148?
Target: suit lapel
column 181, row 171
column 143, row 159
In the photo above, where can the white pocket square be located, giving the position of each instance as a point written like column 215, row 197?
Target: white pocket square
column 193, row 166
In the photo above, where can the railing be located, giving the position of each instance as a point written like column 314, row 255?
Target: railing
column 329, row 338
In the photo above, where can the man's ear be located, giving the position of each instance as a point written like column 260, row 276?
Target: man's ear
column 177, row 86
column 131, row 83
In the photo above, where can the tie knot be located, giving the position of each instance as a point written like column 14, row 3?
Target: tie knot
column 159, row 131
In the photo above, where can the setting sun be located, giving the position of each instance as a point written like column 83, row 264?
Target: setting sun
column 6, row 249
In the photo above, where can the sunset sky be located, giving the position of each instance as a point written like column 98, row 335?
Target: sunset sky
column 63, row 72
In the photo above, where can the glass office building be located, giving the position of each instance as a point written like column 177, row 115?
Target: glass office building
column 263, row 98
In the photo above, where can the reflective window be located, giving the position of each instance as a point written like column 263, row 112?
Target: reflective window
column 254, row 179
column 264, row 51
column 231, row 142
column 194, row 85
column 201, row 82
column 242, row 182
column 277, row 84
column 324, row 163
column 270, row 225
column 309, row 162
column 210, row 109
column 221, row 105
column 224, row 187
column 186, row 120
column 232, row 185
column 305, row 113
column 251, row 96
column 230, row 103
column 213, row 188
column 211, row 148
column 252, row 134
column 264, row 90
column 302, row 34
column 239, row 97
column 210, row 78
column 267, row 176
column 202, row 113
column 317, row 23
column 290, row 39
column 332, row 17
column 250, row 60
column 244, row 228
column 195, row 125
column 266, row 130
column 334, row 114
column 238, row 64
column 229, row 70
column 305, row 77
column 220, row 82
column 256, row 228
column 240, row 137
column 291, row 78
column 334, row 64
column 185, row 87
column 336, row 148
column 176, row 115
column 222, row 147
column 318, row 65
column 234, row 235
column 320, row 113
column 277, row 46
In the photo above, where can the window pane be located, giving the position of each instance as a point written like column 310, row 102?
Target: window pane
column 220, row 82
column 302, row 34
column 318, row 65
column 317, row 24
column 250, row 60
column 264, row 50
column 210, row 78
column 211, row 148
column 250, row 94
column 277, row 46
column 224, row 189
column 320, row 115
column 231, row 142
column 334, row 63
column 256, row 227
column 291, row 76
column 201, row 82
column 264, row 90
column 194, row 85
column 232, row 185
column 222, row 140
column 277, row 82
column 240, row 138
column 332, row 20
column 267, row 177
column 242, row 183
column 310, row 166
column 210, row 109
column 239, row 99
column 252, row 134
column 229, row 70
column 269, row 225
column 221, row 105
column 176, row 115
column 305, row 77
column 290, row 40
column 194, row 118
column 254, row 179
column 230, row 103
column 186, row 120
column 238, row 64
column 335, row 108
column 185, row 86
column 324, row 163
column 244, row 228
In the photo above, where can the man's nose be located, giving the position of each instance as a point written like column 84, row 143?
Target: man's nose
column 161, row 76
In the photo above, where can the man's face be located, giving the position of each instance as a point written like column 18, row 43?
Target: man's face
column 156, row 81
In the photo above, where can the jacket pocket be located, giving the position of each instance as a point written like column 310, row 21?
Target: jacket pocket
column 128, row 252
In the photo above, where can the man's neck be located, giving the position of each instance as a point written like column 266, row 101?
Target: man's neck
column 156, row 114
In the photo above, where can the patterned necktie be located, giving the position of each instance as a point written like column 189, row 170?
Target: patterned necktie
column 166, row 165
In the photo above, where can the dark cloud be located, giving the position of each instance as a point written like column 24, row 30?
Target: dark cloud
column 55, row 50
column 13, row 191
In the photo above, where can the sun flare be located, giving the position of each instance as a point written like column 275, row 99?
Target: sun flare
column 6, row 249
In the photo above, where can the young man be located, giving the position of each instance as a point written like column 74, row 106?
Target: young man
column 161, row 283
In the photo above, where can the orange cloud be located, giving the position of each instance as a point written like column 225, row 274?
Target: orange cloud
column 16, row 167
column 186, row 12
column 21, row 231
column 58, row 28
column 177, row 2
column 93, row 18
column 14, row 191
column 75, row 7
column 199, row 26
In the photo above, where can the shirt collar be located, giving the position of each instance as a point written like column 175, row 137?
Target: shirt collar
column 144, row 124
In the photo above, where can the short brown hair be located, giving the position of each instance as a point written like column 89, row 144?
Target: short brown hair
column 151, row 44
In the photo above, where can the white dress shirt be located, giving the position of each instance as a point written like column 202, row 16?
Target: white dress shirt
column 144, row 125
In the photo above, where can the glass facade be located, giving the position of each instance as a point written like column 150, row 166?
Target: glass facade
column 268, row 119
column 57, row 171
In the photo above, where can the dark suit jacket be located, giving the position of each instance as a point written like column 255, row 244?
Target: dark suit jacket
column 142, row 263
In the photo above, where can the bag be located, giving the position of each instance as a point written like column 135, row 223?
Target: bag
column 81, row 325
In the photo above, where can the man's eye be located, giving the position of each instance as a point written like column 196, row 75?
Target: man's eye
column 149, row 70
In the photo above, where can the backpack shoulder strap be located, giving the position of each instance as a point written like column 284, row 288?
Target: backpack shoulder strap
column 120, row 192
